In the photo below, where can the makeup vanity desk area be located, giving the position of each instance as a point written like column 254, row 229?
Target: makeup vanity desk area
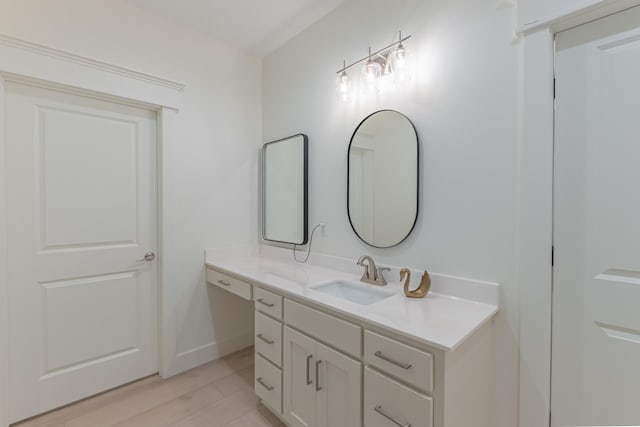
column 324, row 361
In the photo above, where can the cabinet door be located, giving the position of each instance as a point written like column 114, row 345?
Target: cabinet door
column 338, row 386
column 299, row 405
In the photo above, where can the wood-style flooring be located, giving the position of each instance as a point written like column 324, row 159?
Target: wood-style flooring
column 218, row 394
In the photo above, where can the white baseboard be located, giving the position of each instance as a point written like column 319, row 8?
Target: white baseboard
column 215, row 350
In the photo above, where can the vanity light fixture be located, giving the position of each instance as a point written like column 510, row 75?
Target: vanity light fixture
column 376, row 64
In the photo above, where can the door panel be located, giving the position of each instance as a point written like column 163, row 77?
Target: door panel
column 596, row 320
column 81, row 197
column 75, row 212
column 299, row 395
column 75, row 329
column 339, row 380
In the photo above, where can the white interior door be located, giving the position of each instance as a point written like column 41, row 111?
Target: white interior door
column 81, row 197
column 596, row 279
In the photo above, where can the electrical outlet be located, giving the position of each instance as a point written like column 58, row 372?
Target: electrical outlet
column 323, row 228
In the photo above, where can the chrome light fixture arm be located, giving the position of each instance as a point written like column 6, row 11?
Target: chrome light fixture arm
column 373, row 54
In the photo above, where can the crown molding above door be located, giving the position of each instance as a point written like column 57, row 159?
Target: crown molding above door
column 15, row 42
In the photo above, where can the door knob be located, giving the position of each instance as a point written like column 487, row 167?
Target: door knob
column 149, row 256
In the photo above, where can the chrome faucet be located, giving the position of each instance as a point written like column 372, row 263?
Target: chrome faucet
column 372, row 274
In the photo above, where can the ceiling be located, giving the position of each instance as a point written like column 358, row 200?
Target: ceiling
column 258, row 26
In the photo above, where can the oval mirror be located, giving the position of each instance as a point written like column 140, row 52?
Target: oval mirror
column 382, row 195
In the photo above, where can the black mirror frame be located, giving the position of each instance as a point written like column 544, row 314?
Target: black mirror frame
column 305, row 231
column 417, row 179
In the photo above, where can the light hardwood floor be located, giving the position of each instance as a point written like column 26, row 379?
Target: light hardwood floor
column 217, row 394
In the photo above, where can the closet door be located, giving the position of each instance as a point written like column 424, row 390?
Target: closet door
column 596, row 276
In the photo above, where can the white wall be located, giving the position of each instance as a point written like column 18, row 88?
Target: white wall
column 209, row 164
column 464, row 104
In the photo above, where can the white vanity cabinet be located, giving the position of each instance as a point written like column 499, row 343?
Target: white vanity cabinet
column 411, row 384
column 321, row 367
column 321, row 386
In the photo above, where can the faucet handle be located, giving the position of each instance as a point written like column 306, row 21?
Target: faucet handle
column 381, row 278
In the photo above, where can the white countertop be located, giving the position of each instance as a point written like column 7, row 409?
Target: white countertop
column 440, row 320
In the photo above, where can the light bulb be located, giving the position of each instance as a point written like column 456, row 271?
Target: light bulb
column 343, row 86
column 344, row 82
column 371, row 70
column 370, row 75
column 400, row 56
column 402, row 63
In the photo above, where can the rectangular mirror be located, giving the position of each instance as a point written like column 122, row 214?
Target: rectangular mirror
column 284, row 190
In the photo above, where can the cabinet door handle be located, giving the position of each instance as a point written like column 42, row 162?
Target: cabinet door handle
column 265, row 339
column 379, row 410
column 268, row 387
column 390, row 360
column 263, row 302
column 318, row 388
column 222, row 282
column 309, row 382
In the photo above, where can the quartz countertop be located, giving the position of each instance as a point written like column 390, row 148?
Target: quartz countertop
column 440, row 319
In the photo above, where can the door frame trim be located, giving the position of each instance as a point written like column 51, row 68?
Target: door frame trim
column 535, row 230
column 4, row 315
column 164, row 123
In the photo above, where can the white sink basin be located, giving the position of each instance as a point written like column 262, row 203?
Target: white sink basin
column 359, row 293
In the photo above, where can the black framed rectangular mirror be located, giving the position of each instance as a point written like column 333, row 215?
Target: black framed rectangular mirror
column 284, row 190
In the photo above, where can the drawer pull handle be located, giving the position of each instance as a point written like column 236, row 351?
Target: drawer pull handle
column 263, row 302
column 318, row 388
column 268, row 341
column 268, row 387
column 379, row 410
column 390, row 360
column 222, row 282
column 309, row 382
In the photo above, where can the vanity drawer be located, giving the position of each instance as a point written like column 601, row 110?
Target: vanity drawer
column 268, row 302
column 389, row 403
column 268, row 383
column 333, row 331
column 400, row 360
column 231, row 284
column 268, row 341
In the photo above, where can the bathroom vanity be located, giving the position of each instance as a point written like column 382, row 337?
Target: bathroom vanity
column 339, row 360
